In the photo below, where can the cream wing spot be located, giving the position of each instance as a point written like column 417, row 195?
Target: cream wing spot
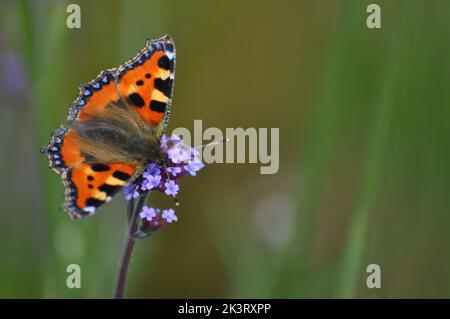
column 163, row 74
column 114, row 181
column 100, row 195
column 159, row 96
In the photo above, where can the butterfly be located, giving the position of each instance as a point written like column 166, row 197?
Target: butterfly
column 114, row 128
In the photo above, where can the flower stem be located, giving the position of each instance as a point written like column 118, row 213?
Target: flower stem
column 127, row 251
column 124, row 263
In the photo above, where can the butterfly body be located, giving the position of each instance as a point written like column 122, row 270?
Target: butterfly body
column 114, row 128
column 118, row 135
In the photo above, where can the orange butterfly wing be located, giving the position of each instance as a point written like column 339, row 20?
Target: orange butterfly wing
column 90, row 185
column 144, row 82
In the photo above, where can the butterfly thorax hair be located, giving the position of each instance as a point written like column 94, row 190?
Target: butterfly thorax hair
column 119, row 135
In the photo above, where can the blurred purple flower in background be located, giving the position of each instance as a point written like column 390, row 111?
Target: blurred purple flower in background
column 12, row 73
column 12, row 77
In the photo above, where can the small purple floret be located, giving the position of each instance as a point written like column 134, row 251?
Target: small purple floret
column 171, row 188
column 148, row 213
column 169, row 215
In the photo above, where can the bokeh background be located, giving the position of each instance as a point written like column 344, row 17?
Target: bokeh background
column 364, row 149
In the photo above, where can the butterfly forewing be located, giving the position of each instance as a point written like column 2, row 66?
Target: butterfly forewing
column 146, row 82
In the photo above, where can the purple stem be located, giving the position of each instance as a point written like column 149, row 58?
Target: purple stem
column 128, row 246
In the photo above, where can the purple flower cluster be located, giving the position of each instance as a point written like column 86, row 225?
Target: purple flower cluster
column 182, row 160
column 157, row 218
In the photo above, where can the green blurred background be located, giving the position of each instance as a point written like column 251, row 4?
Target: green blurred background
column 364, row 149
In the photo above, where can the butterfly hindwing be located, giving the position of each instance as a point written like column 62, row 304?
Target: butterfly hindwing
column 89, row 185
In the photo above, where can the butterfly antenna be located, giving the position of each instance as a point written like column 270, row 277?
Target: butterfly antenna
column 225, row 140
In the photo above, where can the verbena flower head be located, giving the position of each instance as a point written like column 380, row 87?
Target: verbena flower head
column 181, row 160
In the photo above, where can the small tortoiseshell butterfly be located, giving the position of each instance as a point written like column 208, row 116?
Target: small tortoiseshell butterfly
column 114, row 128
